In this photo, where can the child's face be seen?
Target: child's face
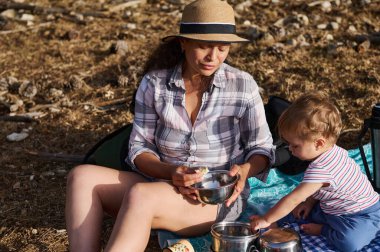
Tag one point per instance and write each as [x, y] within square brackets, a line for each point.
[303, 149]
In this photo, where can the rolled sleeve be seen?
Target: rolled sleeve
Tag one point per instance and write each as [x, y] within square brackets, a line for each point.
[144, 125]
[255, 131]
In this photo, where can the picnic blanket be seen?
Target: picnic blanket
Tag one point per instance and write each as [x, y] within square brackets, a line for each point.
[263, 196]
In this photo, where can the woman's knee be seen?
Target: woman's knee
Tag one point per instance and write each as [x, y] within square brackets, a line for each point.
[144, 196]
[80, 174]
[139, 194]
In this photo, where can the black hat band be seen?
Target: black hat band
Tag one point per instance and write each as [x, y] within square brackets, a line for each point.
[207, 28]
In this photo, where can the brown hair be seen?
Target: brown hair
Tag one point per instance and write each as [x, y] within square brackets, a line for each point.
[164, 56]
[309, 116]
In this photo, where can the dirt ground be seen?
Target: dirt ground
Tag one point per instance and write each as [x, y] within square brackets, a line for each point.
[72, 67]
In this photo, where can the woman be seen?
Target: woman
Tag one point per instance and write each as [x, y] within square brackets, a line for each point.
[202, 112]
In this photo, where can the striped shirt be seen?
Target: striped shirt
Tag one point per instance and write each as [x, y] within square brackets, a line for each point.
[229, 128]
[349, 190]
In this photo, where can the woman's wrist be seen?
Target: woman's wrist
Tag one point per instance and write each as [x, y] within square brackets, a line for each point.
[257, 164]
[153, 167]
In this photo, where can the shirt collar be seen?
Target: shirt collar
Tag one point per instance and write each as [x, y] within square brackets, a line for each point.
[219, 79]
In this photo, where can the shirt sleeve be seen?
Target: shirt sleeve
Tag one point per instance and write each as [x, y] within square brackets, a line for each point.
[144, 124]
[255, 132]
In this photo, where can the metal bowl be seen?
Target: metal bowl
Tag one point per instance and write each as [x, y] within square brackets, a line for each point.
[280, 240]
[229, 236]
[216, 187]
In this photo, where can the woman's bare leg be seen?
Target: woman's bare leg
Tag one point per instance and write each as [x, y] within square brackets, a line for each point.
[91, 191]
[159, 206]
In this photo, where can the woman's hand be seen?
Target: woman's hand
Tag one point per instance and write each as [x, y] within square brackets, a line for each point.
[255, 165]
[243, 171]
[183, 177]
[258, 222]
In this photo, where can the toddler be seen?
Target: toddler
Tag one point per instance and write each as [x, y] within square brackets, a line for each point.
[334, 199]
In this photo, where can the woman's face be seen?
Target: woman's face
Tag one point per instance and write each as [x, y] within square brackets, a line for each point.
[203, 58]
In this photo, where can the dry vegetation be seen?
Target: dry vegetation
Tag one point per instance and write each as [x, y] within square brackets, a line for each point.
[73, 65]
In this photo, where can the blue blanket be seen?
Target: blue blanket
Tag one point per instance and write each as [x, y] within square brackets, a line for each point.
[263, 196]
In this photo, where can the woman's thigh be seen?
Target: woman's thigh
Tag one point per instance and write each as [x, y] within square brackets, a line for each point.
[172, 211]
[106, 184]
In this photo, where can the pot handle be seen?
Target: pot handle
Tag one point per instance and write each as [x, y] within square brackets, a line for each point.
[253, 248]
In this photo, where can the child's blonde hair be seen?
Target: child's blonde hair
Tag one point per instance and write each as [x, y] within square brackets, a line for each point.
[311, 115]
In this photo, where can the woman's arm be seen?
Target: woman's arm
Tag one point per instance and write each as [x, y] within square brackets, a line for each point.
[256, 136]
[255, 165]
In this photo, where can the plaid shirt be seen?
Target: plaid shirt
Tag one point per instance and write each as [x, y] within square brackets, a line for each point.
[229, 128]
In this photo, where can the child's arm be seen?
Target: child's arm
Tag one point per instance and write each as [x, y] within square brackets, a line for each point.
[285, 205]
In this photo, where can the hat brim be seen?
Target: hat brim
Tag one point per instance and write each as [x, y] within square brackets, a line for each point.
[223, 38]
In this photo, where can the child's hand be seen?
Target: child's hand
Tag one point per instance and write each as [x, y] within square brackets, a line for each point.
[302, 210]
[258, 222]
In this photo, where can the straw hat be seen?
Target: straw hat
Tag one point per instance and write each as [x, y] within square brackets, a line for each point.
[208, 20]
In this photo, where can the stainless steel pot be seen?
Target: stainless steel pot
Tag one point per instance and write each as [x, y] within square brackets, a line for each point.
[233, 237]
[280, 240]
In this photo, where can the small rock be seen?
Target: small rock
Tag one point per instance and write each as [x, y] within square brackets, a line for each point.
[326, 6]
[121, 47]
[329, 37]
[16, 106]
[56, 93]
[247, 23]
[54, 110]
[34, 231]
[331, 50]
[363, 47]
[322, 26]
[27, 89]
[50, 17]
[334, 26]
[291, 42]
[16, 137]
[295, 26]
[303, 19]
[267, 39]
[12, 80]
[279, 23]
[75, 82]
[109, 94]
[27, 17]
[10, 13]
[73, 34]
[48, 173]
[66, 103]
[17, 185]
[243, 6]
[351, 29]
[122, 81]
[253, 33]
[131, 26]
[3, 84]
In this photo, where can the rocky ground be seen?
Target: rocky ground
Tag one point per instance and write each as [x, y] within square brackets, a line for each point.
[68, 70]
